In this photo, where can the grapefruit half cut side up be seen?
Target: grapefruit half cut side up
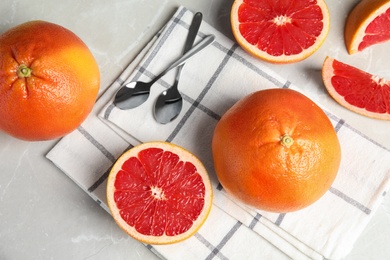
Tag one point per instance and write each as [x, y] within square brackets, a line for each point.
[356, 89]
[367, 24]
[159, 193]
[280, 31]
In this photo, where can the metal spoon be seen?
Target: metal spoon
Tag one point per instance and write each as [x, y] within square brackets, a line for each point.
[135, 93]
[169, 103]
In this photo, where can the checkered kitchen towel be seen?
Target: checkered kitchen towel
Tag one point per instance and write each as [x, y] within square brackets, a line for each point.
[211, 82]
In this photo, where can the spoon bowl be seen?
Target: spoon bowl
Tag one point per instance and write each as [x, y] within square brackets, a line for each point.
[133, 95]
[167, 110]
[169, 103]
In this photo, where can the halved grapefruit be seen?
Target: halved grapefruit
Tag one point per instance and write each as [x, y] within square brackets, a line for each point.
[367, 24]
[280, 31]
[356, 89]
[159, 193]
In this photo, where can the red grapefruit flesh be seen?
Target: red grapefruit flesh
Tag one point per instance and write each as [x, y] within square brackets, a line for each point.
[356, 89]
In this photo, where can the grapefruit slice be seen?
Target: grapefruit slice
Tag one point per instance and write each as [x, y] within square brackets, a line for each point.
[367, 24]
[357, 90]
[159, 193]
[280, 31]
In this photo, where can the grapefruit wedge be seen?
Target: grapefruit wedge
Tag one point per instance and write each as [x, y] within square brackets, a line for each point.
[280, 31]
[159, 193]
[367, 24]
[356, 89]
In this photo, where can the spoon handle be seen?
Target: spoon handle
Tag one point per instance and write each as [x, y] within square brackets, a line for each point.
[201, 45]
[193, 31]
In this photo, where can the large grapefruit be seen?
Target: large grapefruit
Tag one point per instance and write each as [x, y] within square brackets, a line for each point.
[49, 81]
[276, 150]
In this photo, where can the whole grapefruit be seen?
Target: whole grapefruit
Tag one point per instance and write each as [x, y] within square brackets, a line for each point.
[276, 150]
[49, 81]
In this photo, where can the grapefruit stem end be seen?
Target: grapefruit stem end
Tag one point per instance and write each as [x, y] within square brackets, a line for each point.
[23, 71]
[287, 140]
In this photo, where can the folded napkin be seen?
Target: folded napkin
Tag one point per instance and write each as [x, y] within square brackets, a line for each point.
[211, 82]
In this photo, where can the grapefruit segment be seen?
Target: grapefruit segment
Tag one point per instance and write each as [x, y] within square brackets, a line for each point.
[280, 31]
[356, 89]
[367, 24]
[159, 193]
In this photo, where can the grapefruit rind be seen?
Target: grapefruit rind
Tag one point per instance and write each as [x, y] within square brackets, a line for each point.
[359, 19]
[282, 59]
[327, 74]
[184, 156]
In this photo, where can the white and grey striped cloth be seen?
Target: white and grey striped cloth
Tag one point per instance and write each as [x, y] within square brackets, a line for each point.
[211, 82]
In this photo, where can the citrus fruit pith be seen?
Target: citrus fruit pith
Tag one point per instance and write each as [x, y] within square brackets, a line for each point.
[280, 31]
[49, 81]
[159, 193]
[357, 90]
[367, 24]
[276, 150]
